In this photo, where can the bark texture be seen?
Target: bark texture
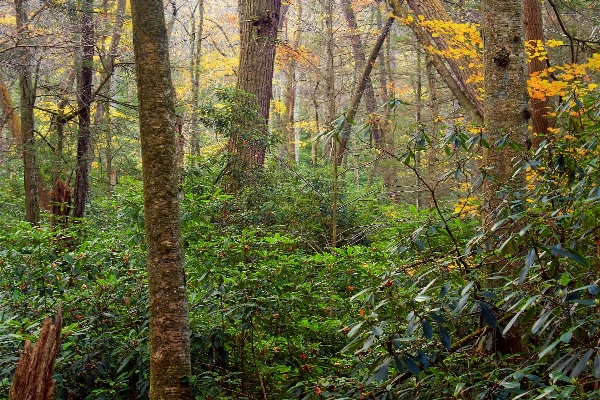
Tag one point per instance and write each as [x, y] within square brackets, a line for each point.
[259, 20]
[9, 112]
[506, 108]
[534, 31]
[84, 138]
[33, 377]
[290, 86]
[28, 95]
[170, 365]
[196, 62]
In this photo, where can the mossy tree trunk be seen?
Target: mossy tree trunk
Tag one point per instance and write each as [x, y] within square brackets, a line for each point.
[259, 20]
[506, 107]
[170, 365]
[27, 88]
[84, 138]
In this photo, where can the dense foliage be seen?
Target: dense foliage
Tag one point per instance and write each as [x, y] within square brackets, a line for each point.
[427, 305]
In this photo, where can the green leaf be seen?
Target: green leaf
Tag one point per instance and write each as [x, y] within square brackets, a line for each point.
[445, 290]
[413, 368]
[355, 329]
[423, 359]
[427, 329]
[488, 315]
[541, 320]
[597, 366]
[572, 254]
[566, 337]
[382, 373]
[529, 260]
[565, 279]
[581, 364]
[445, 337]
[125, 362]
[548, 349]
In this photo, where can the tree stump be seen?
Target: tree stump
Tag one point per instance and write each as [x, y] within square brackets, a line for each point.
[33, 377]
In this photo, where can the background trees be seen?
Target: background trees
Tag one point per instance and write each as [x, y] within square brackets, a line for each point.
[330, 275]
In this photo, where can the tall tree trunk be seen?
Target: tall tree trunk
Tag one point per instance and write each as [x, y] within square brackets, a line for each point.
[170, 365]
[419, 120]
[506, 109]
[534, 31]
[358, 92]
[28, 95]
[259, 20]
[433, 130]
[104, 110]
[82, 179]
[196, 64]
[330, 74]
[359, 62]
[290, 87]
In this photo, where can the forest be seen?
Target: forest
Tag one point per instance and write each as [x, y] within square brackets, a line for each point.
[299, 199]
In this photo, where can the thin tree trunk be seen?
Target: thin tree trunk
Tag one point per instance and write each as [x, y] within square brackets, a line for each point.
[82, 179]
[419, 119]
[433, 129]
[358, 92]
[330, 73]
[196, 67]
[170, 365]
[462, 68]
[359, 62]
[109, 70]
[290, 89]
[534, 31]
[28, 96]
[450, 81]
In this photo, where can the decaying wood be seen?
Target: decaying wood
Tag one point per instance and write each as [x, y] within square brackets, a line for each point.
[60, 201]
[33, 378]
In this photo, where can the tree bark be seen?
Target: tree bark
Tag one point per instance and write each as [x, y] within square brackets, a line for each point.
[259, 20]
[28, 96]
[506, 109]
[534, 31]
[419, 120]
[9, 112]
[433, 130]
[330, 75]
[196, 67]
[33, 377]
[82, 179]
[290, 88]
[170, 365]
